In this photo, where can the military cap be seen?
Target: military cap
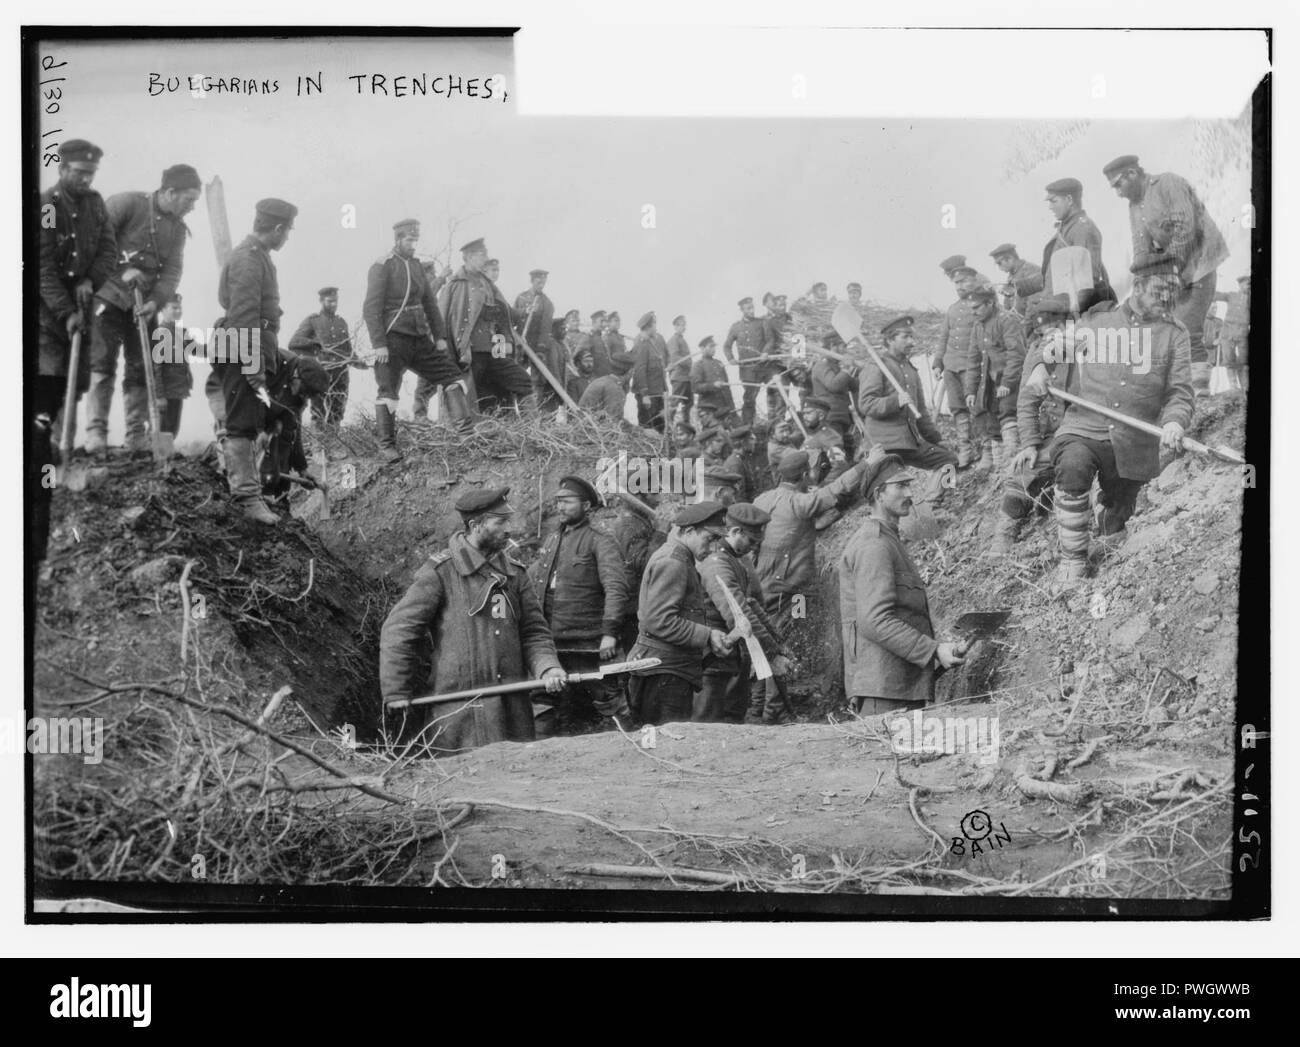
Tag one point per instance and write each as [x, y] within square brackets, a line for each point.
[490, 500]
[1065, 187]
[1119, 164]
[982, 293]
[577, 487]
[713, 432]
[312, 375]
[740, 432]
[1002, 249]
[539, 272]
[768, 297]
[707, 340]
[679, 319]
[817, 402]
[474, 245]
[890, 467]
[79, 151]
[646, 320]
[963, 269]
[1049, 308]
[743, 514]
[855, 286]
[722, 476]
[793, 465]
[599, 314]
[895, 325]
[573, 314]
[747, 300]
[181, 176]
[706, 408]
[273, 207]
[325, 291]
[952, 262]
[613, 314]
[819, 283]
[407, 225]
[1154, 263]
[709, 515]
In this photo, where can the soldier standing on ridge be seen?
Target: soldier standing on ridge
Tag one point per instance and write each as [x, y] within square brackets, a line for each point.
[1166, 215]
[754, 339]
[150, 233]
[325, 337]
[407, 333]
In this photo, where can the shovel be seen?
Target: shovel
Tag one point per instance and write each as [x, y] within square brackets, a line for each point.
[162, 443]
[978, 625]
[1222, 451]
[73, 478]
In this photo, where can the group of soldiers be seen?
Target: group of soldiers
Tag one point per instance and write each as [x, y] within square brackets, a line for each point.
[701, 608]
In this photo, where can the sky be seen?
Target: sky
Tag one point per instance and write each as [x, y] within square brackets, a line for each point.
[672, 214]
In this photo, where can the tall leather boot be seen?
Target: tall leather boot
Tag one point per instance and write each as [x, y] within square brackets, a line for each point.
[986, 454]
[245, 486]
[386, 432]
[135, 401]
[995, 449]
[965, 451]
[458, 416]
[99, 401]
[1072, 518]
[1010, 440]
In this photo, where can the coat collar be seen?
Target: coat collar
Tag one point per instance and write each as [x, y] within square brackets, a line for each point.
[469, 560]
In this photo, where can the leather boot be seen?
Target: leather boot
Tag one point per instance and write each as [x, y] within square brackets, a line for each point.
[99, 400]
[1010, 440]
[995, 448]
[458, 416]
[965, 452]
[1072, 518]
[245, 486]
[135, 402]
[385, 430]
[986, 456]
[1004, 536]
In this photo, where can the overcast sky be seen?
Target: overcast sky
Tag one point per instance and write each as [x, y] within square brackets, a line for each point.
[740, 205]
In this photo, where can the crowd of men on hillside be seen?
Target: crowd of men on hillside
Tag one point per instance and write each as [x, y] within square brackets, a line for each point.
[715, 602]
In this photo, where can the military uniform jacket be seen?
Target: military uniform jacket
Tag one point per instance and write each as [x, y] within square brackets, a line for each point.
[954, 352]
[581, 584]
[173, 379]
[1001, 341]
[741, 464]
[1078, 230]
[711, 385]
[1025, 279]
[787, 557]
[752, 336]
[679, 359]
[400, 298]
[649, 366]
[1170, 217]
[837, 387]
[327, 338]
[671, 615]
[484, 620]
[619, 352]
[78, 246]
[249, 292]
[462, 301]
[157, 240]
[723, 567]
[538, 332]
[1162, 395]
[889, 424]
[889, 644]
[1037, 417]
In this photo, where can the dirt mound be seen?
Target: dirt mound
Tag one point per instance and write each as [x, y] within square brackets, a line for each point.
[1111, 704]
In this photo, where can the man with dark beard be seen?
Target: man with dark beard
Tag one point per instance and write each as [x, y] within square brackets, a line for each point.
[487, 628]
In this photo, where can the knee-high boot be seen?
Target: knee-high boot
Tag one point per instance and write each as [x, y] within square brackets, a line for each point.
[965, 451]
[386, 433]
[1072, 520]
[245, 486]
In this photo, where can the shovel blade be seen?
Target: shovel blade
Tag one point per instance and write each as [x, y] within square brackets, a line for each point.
[979, 624]
[847, 322]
